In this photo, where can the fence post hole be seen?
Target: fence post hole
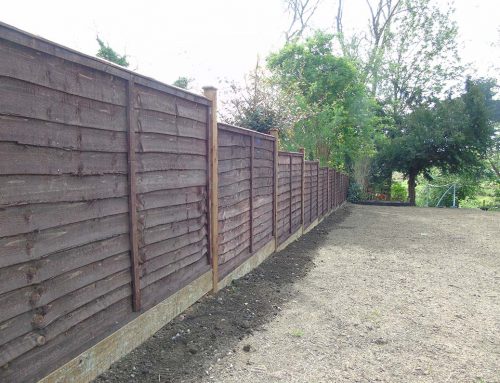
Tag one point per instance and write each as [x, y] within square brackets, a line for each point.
[274, 132]
[132, 198]
[211, 93]
[302, 177]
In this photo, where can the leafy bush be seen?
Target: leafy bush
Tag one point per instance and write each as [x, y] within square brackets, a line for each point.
[398, 192]
[355, 192]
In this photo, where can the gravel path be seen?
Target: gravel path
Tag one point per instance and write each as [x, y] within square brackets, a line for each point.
[397, 295]
[373, 294]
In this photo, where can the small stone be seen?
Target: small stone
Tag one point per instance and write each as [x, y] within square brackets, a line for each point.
[247, 348]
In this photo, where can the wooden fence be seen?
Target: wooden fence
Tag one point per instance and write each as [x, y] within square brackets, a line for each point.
[122, 202]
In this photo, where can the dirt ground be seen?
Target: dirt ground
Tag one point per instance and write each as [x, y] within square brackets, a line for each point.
[373, 294]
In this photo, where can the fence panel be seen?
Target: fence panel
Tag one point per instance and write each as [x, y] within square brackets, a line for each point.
[246, 176]
[172, 174]
[311, 191]
[289, 194]
[68, 178]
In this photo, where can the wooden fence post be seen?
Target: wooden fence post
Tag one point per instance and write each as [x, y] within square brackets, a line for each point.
[274, 132]
[317, 190]
[252, 154]
[291, 179]
[132, 198]
[302, 178]
[211, 93]
[327, 190]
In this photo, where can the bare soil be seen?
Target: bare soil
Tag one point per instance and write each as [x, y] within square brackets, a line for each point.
[373, 294]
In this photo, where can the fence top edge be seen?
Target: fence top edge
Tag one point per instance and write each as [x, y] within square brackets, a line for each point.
[28, 40]
[244, 131]
[295, 154]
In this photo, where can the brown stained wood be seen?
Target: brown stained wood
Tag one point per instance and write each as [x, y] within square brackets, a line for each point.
[150, 121]
[147, 162]
[43, 294]
[35, 217]
[243, 131]
[229, 178]
[36, 245]
[229, 235]
[36, 363]
[233, 189]
[230, 153]
[17, 190]
[213, 160]
[132, 197]
[40, 45]
[251, 197]
[161, 248]
[152, 99]
[164, 198]
[171, 230]
[170, 259]
[233, 164]
[169, 179]
[25, 131]
[240, 248]
[234, 210]
[234, 238]
[62, 75]
[233, 222]
[66, 310]
[233, 199]
[161, 143]
[17, 159]
[229, 139]
[31, 273]
[173, 282]
[173, 268]
[169, 214]
[19, 98]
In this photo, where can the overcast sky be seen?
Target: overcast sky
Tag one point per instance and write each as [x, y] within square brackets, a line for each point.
[216, 40]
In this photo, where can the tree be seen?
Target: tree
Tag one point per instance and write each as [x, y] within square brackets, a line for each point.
[334, 114]
[301, 11]
[408, 54]
[452, 135]
[182, 82]
[259, 104]
[108, 53]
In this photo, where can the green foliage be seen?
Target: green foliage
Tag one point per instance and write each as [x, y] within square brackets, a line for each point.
[450, 135]
[182, 82]
[259, 105]
[355, 192]
[398, 192]
[107, 53]
[335, 116]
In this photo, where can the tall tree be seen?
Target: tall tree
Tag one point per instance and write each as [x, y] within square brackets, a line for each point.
[108, 53]
[301, 11]
[451, 135]
[334, 114]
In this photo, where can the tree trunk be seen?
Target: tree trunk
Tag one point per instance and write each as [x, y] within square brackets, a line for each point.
[412, 176]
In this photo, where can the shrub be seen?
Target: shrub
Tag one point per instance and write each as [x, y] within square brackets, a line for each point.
[355, 192]
[398, 192]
